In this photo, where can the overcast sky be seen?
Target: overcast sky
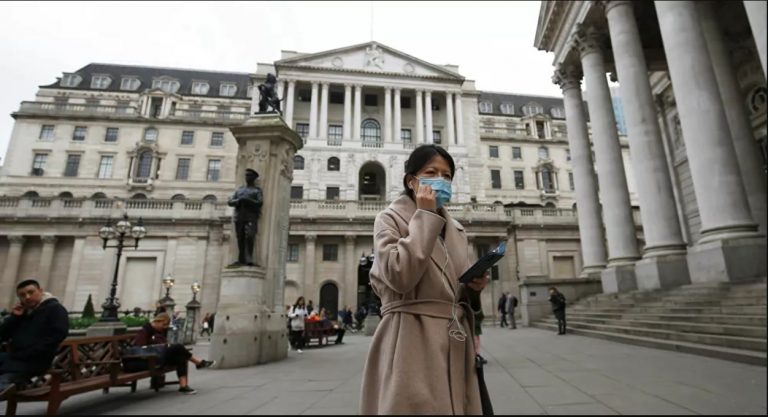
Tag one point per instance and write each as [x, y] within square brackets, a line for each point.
[492, 42]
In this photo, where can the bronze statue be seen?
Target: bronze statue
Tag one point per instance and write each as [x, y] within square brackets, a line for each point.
[268, 91]
[247, 201]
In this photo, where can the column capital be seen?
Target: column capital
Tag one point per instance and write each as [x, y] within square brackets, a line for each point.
[419, 90]
[291, 81]
[397, 89]
[310, 237]
[16, 239]
[588, 39]
[567, 77]
[348, 85]
[315, 83]
[448, 94]
[325, 84]
[50, 239]
[358, 86]
[428, 92]
[609, 5]
[350, 238]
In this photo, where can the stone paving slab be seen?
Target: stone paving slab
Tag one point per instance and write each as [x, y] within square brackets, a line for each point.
[530, 372]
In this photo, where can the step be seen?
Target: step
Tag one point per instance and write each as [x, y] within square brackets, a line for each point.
[706, 303]
[732, 310]
[746, 343]
[758, 332]
[736, 355]
[726, 319]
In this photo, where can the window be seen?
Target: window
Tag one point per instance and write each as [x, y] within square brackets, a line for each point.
[568, 154]
[532, 108]
[182, 169]
[304, 94]
[519, 180]
[507, 108]
[495, 178]
[46, 132]
[332, 193]
[335, 131]
[371, 100]
[436, 137]
[73, 164]
[150, 134]
[130, 83]
[111, 135]
[178, 197]
[540, 130]
[297, 192]
[169, 86]
[517, 153]
[548, 184]
[227, 89]
[217, 139]
[210, 198]
[558, 112]
[200, 88]
[214, 169]
[145, 165]
[486, 107]
[330, 252]
[493, 151]
[405, 136]
[298, 162]
[79, 133]
[100, 82]
[302, 129]
[405, 102]
[543, 152]
[187, 137]
[570, 181]
[38, 164]
[336, 97]
[105, 166]
[371, 131]
[71, 80]
[293, 252]
[333, 164]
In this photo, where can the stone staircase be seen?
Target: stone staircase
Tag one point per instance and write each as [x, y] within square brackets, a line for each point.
[721, 320]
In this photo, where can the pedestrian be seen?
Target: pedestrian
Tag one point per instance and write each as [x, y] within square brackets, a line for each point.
[297, 315]
[35, 327]
[206, 326]
[210, 321]
[511, 306]
[310, 308]
[348, 320]
[159, 308]
[422, 356]
[502, 309]
[360, 316]
[557, 299]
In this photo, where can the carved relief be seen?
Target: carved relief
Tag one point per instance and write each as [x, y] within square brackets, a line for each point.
[409, 68]
[286, 162]
[337, 62]
[374, 57]
[677, 135]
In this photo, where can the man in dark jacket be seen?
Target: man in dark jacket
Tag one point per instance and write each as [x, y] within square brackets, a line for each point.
[558, 307]
[502, 309]
[34, 329]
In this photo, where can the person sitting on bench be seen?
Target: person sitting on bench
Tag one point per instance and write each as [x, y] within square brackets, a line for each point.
[155, 333]
[35, 328]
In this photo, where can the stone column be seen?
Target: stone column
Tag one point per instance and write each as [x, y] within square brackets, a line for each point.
[358, 112]
[281, 89]
[459, 121]
[450, 138]
[756, 12]
[73, 274]
[419, 118]
[309, 266]
[396, 136]
[428, 117]
[46, 261]
[744, 143]
[350, 273]
[729, 248]
[347, 131]
[313, 112]
[664, 255]
[387, 128]
[11, 269]
[289, 101]
[619, 276]
[323, 131]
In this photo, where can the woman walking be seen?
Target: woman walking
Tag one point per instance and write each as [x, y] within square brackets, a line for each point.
[297, 315]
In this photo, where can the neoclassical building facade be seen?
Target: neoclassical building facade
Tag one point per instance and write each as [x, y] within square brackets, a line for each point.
[698, 152]
[155, 143]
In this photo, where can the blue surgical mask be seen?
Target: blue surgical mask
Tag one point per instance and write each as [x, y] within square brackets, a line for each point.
[442, 188]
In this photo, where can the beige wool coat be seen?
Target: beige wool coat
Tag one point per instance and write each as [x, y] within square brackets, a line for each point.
[414, 366]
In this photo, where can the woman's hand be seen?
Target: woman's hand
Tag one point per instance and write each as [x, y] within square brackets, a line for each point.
[425, 196]
[479, 283]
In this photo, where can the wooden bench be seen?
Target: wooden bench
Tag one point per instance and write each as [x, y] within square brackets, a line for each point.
[84, 364]
[317, 330]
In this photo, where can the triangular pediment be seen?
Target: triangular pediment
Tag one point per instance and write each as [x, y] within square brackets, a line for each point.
[371, 57]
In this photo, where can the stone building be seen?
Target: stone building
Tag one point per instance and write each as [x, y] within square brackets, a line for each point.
[155, 143]
[698, 153]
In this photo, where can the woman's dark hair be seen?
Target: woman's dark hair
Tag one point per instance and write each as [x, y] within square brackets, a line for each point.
[420, 157]
[299, 299]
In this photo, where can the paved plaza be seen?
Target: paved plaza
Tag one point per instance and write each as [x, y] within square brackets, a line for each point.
[530, 371]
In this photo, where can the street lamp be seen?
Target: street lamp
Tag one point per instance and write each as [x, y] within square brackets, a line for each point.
[118, 232]
[190, 323]
[195, 290]
[168, 282]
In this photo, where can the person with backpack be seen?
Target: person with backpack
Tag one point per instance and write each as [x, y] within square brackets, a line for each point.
[502, 309]
[297, 315]
[511, 306]
[557, 299]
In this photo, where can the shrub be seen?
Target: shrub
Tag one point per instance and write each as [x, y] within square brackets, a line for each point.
[88, 311]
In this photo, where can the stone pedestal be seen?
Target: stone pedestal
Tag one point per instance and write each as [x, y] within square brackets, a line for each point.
[662, 272]
[370, 323]
[619, 278]
[730, 260]
[106, 328]
[250, 324]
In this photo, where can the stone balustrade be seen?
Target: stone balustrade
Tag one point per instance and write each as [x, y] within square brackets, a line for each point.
[48, 108]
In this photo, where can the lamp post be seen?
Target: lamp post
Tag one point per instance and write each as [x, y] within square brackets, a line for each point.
[193, 307]
[120, 232]
[167, 301]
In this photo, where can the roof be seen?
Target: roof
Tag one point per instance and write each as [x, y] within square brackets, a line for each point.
[147, 74]
[519, 100]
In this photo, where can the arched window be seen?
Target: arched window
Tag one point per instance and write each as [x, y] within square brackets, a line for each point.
[145, 165]
[31, 194]
[550, 205]
[371, 131]
[178, 197]
[298, 162]
[139, 196]
[65, 194]
[99, 195]
[486, 107]
[507, 108]
[543, 152]
[210, 198]
[333, 164]
[532, 108]
[150, 134]
[558, 112]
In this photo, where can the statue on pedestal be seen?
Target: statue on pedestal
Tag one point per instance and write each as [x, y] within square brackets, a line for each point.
[268, 91]
[247, 201]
